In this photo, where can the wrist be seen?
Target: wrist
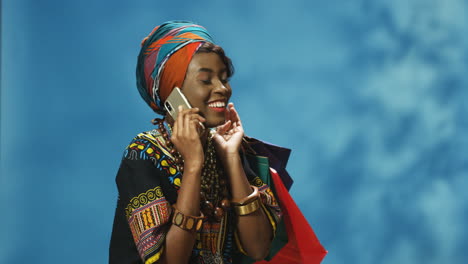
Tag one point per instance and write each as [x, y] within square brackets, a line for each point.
[249, 204]
[230, 159]
[193, 166]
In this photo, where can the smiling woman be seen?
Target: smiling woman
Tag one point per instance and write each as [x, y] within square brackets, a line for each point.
[185, 194]
[206, 86]
[192, 190]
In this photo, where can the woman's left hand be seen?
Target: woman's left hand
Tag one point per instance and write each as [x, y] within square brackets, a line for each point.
[228, 137]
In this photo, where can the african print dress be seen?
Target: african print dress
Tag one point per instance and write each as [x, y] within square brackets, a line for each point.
[148, 183]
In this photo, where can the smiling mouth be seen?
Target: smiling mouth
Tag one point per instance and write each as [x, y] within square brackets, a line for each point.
[218, 106]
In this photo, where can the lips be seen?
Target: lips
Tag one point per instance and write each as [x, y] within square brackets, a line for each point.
[217, 105]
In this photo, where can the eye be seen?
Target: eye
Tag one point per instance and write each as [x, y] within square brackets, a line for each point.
[224, 81]
[206, 82]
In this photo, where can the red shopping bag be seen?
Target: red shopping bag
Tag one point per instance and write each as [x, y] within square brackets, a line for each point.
[303, 246]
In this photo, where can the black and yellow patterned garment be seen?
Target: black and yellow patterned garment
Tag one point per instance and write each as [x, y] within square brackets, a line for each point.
[148, 183]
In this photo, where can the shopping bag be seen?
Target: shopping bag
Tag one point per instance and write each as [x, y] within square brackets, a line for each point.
[295, 241]
[303, 246]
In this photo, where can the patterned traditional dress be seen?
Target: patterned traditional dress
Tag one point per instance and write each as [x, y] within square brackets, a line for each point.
[148, 183]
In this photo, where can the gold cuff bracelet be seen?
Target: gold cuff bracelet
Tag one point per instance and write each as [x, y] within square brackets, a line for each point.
[248, 204]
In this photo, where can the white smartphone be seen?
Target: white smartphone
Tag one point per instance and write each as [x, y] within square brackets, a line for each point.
[174, 100]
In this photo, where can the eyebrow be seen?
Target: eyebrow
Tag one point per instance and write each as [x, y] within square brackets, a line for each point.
[211, 70]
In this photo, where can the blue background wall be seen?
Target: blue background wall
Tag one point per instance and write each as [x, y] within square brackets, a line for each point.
[370, 95]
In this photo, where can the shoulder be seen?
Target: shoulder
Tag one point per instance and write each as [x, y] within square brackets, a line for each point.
[146, 145]
[150, 146]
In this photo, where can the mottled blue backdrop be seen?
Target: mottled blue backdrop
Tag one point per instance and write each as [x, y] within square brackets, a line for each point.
[371, 96]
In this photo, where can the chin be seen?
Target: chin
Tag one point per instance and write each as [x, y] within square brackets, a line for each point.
[215, 122]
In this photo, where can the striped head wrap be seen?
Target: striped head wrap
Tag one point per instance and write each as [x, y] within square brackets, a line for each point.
[164, 58]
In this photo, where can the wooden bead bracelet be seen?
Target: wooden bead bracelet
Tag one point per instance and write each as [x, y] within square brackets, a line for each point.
[187, 222]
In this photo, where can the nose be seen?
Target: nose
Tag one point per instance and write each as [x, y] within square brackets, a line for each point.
[222, 88]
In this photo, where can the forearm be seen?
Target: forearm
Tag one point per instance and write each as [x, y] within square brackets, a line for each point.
[179, 243]
[255, 232]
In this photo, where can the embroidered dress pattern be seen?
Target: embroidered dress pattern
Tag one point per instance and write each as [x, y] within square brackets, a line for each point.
[147, 212]
[269, 199]
[150, 146]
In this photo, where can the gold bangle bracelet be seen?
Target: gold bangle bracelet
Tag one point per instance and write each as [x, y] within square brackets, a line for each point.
[249, 204]
[187, 222]
[248, 208]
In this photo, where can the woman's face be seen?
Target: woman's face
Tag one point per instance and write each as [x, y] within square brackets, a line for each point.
[206, 86]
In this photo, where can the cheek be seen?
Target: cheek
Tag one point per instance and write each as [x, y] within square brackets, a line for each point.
[196, 95]
[200, 95]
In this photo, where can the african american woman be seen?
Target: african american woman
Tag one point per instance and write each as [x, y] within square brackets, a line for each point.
[186, 193]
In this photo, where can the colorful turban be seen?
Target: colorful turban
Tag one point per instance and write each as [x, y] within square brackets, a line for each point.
[164, 58]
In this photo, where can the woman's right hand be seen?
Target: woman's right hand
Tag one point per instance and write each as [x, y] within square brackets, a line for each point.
[186, 137]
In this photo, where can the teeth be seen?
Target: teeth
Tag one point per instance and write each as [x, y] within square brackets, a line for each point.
[217, 104]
